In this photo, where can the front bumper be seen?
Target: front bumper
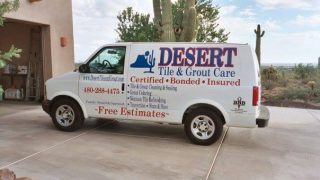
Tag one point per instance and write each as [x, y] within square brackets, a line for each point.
[263, 119]
[46, 106]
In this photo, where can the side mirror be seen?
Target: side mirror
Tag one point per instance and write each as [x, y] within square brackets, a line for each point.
[84, 68]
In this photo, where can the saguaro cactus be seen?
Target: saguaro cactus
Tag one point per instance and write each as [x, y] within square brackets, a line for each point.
[157, 14]
[189, 22]
[186, 31]
[167, 21]
[259, 35]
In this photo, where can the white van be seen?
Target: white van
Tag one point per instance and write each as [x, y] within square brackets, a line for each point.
[201, 85]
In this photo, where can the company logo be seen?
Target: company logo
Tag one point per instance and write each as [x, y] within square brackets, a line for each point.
[145, 60]
[239, 102]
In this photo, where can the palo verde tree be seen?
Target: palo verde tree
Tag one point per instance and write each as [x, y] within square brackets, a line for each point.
[5, 7]
[183, 20]
[208, 17]
[136, 27]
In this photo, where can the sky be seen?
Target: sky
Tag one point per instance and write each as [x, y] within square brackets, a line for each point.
[292, 26]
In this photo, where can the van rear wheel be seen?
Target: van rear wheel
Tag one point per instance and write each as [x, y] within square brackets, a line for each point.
[67, 115]
[203, 126]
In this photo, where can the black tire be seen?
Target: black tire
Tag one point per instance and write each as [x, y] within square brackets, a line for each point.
[189, 125]
[78, 118]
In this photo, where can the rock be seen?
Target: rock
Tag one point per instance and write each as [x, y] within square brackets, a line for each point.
[6, 174]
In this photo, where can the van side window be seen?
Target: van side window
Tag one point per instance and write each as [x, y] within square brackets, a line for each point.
[109, 60]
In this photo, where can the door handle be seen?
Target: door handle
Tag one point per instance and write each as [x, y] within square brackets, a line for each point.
[122, 86]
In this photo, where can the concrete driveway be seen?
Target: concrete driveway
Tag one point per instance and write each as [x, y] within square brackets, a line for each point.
[29, 144]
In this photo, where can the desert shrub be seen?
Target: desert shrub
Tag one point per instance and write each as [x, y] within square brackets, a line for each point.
[311, 85]
[316, 99]
[316, 95]
[268, 84]
[304, 71]
[317, 85]
[284, 76]
[294, 94]
[270, 73]
[283, 82]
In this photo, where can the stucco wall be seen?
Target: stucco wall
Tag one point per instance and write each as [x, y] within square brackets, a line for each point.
[57, 16]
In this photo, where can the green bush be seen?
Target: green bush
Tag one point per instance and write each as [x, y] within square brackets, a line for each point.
[304, 71]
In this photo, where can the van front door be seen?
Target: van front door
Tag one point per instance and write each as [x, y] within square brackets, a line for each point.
[102, 89]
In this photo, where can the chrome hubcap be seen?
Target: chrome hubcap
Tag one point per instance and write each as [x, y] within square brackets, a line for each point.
[65, 115]
[202, 127]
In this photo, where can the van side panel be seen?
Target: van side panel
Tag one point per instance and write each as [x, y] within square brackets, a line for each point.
[166, 78]
[65, 85]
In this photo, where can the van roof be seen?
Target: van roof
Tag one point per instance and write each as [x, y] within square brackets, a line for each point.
[125, 43]
[130, 43]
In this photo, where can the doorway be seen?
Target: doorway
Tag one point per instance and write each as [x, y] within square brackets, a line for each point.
[23, 78]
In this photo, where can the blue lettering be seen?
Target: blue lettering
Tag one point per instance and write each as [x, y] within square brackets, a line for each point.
[177, 56]
[199, 57]
[229, 55]
[166, 62]
[216, 55]
[190, 57]
[225, 74]
[202, 60]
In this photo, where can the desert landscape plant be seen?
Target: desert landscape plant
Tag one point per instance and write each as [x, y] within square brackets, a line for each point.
[5, 7]
[136, 27]
[259, 35]
[183, 20]
[270, 73]
[300, 93]
[269, 77]
[304, 71]
[296, 85]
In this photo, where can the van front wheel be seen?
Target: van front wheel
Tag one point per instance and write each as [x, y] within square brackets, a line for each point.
[203, 126]
[67, 115]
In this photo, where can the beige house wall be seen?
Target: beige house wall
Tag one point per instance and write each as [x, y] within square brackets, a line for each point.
[56, 18]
